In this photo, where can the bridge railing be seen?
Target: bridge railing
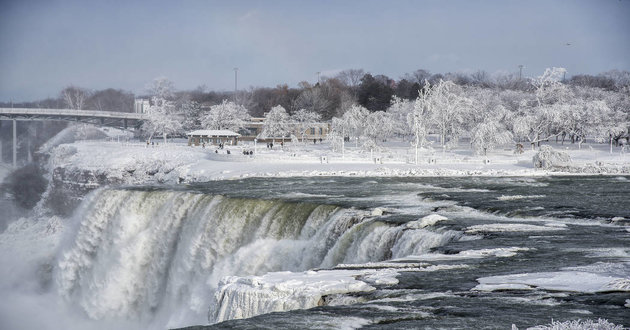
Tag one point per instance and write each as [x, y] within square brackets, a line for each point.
[70, 112]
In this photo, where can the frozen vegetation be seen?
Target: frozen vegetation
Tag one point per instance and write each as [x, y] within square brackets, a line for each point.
[579, 325]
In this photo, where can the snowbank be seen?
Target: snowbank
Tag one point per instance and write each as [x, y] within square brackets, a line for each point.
[175, 163]
[548, 158]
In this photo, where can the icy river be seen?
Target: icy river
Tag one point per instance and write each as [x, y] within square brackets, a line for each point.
[343, 252]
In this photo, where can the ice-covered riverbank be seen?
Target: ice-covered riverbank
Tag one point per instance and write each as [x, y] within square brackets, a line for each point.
[176, 163]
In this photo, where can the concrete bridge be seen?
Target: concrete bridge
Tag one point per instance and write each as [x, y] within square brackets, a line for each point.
[122, 120]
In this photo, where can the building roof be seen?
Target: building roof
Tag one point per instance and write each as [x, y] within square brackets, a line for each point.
[212, 133]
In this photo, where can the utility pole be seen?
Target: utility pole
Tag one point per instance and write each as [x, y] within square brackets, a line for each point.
[14, 143]
[235, 84]
[520, 71]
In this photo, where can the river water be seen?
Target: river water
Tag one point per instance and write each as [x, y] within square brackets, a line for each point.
[469, 252]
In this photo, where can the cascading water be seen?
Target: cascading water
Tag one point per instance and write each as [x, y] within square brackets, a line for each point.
[325, 252]
[157, 256]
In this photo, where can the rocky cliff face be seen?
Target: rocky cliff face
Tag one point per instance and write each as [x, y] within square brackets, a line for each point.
[68, 186]
[72, 176]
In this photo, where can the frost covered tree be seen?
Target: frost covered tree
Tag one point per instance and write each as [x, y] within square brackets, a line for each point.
[162, 115]
[227, 115]
[418, 119]
[489, 134]
[547, 158]
[163, 118]
[354, 121]
[161, 88]
[277, 123]
[399, 110]
[378, 126]
[534, 126]
[549, 88]
[605, 124]
[543, 118]
[303, 119]
[337, 135]
[447, 110]
[191, 111]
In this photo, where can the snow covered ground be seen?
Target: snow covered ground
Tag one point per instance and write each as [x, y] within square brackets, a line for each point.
[176, 162]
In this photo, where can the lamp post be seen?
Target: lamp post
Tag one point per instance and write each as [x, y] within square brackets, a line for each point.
[235, 84]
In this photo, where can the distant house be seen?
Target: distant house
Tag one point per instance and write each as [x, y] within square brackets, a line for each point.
[215, 137]
[253, 129]
[141, 106]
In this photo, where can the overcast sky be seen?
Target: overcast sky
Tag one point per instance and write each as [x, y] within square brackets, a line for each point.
[47, 45]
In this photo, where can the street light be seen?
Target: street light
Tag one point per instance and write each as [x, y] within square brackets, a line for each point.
[235, 84]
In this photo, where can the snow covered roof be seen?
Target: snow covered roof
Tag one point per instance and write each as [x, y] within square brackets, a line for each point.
[212, 132]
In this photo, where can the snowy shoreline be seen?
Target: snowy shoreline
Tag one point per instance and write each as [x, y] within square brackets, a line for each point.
[177, 163]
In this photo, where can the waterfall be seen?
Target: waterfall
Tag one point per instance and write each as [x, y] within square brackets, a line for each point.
[160, 254]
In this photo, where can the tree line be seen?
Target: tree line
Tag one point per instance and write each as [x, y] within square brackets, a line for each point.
[489, 110]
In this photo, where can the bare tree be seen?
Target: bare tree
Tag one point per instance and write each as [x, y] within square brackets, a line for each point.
[312, 99]
[418, 76]
[161, 88]
[351, 77]
[75, 97]
[111, 100]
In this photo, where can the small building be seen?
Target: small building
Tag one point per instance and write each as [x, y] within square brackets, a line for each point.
[214, 137]
[312, 131]
[141, 106]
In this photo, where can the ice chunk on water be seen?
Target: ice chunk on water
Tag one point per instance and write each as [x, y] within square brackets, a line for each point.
[426, 221]
[243, 297]
[568, 280]
[510, 227]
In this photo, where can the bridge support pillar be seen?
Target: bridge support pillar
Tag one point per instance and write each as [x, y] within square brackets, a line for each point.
[14, 143]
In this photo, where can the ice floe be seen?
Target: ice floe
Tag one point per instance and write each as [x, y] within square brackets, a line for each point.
[512, 227]
[429, 220]
[517, 197]
[600, 277]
